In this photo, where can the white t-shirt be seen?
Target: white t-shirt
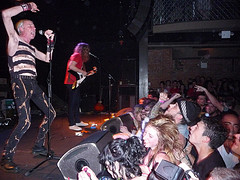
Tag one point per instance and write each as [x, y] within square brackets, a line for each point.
[230, 159]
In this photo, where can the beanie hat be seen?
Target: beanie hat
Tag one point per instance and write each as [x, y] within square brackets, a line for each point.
[190, 112]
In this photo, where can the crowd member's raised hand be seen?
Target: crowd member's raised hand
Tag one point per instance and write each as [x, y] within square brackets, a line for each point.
[200, 88]
[163, 97]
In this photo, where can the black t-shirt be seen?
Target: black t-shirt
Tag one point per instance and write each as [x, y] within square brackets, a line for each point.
[205, 166]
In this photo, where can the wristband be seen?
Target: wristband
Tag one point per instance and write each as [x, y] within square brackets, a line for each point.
[26, 7]
[50, 45]
[161, 101]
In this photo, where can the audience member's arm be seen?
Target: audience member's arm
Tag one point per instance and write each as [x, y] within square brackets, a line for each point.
[212, 98]
[163, 97]
[124, 130]
[168, 102]
[121, 135]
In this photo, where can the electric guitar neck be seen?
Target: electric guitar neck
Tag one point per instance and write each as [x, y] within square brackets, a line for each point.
[80, 77]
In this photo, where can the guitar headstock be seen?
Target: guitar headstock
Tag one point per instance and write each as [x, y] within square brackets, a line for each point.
[93, 71]
[94, 68]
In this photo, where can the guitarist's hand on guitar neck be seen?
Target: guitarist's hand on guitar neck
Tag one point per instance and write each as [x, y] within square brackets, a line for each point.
[93, 71]
[81, 77]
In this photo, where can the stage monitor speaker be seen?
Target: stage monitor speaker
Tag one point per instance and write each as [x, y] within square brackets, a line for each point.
[84, 154]
[141, 18]
[113, 125]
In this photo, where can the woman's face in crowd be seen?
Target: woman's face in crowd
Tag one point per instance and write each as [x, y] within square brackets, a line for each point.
[150, 137]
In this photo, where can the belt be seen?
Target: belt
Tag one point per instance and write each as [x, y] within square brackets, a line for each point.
[24, 77]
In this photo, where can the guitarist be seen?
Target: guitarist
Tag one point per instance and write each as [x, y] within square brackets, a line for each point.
[75, 65]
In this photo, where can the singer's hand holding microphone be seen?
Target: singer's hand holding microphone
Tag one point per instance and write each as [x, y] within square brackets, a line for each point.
[48, 33]
[50, 38]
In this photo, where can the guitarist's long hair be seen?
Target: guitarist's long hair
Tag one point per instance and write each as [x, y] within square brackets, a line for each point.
[82, 48]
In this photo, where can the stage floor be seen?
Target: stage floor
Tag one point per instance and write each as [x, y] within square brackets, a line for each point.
[62, 139]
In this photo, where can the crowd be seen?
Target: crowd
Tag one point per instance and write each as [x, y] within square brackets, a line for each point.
[196, 129]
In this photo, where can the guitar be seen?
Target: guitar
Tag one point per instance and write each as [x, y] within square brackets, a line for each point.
[80, 77]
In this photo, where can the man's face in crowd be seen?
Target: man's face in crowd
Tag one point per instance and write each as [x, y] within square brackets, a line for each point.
[211, 109]
[196, 133]
[232, 124]
[201, 100]
[175, 112]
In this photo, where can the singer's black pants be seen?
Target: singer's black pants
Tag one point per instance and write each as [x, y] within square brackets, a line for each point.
[24, 90]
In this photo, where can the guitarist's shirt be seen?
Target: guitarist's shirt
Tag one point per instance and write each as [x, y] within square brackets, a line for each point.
[69, 77]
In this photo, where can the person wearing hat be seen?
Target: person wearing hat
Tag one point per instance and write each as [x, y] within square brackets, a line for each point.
[185, 113]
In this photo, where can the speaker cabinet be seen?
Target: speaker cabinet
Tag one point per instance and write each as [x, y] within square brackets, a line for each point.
[128, 71]
[141, 18]
[84, 154]
[127, 96]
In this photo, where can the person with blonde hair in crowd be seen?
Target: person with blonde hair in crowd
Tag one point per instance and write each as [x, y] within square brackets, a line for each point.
[161, 138]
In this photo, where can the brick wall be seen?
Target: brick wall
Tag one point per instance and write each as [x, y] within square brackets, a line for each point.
[162, 65]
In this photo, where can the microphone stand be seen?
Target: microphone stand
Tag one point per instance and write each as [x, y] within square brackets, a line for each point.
[50, 153]
[110, 77]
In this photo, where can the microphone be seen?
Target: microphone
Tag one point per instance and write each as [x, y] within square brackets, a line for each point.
[93, 55]
[41, 32]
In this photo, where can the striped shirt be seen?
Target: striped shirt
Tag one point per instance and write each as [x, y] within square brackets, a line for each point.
[23, 61]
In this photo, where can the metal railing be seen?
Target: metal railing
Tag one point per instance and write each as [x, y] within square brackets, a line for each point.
[173, 11]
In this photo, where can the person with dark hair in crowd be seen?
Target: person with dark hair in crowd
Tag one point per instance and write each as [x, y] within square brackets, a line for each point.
[122, 159]
[153, 95]
[175, 88]
[206, 136]
[22, 68]
[201, 100]
[185, 113]
[213, 100]
[231, 122]
[220, 173]
[162, 87]
[76, 66]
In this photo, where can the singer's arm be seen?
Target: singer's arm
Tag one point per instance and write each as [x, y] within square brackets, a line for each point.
[46, 57]
[7, 15]
[43, 57]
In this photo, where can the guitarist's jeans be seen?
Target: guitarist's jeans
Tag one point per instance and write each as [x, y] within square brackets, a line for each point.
[73, 105]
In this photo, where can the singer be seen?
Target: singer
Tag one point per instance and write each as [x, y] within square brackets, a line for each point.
[22, 69]
[76, 65]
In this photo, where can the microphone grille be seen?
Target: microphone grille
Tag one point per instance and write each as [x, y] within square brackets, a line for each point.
[41, 32]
